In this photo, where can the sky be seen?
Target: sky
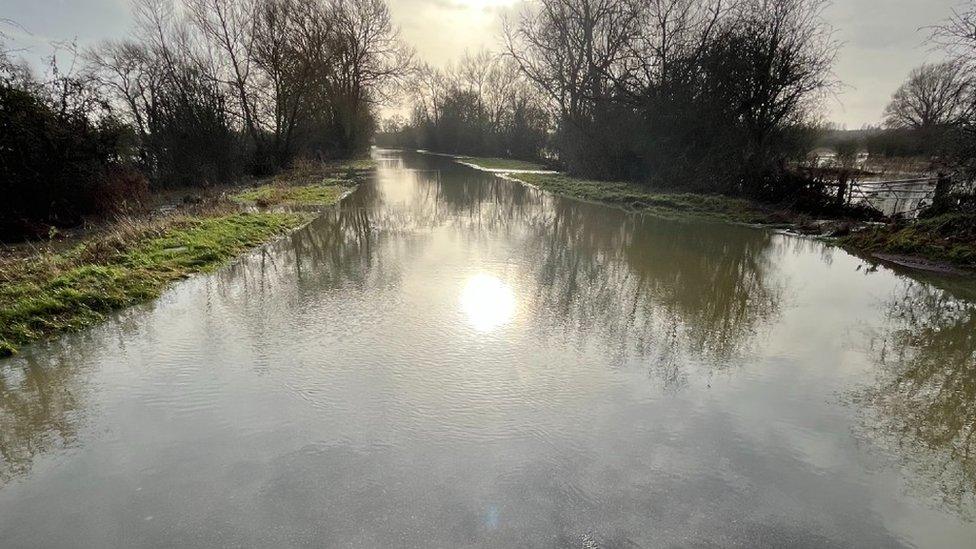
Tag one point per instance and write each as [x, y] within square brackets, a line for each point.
[882, 40]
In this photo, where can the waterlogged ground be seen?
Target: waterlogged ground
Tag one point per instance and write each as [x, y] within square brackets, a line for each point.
[455, 360]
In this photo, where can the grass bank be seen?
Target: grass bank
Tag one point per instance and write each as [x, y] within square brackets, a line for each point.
[949, 239]
[51, 292]
[630, 196]
[309, 184]
[326, 193]
[943, 244]
[634, 197]
[501, 163]
[53, 288]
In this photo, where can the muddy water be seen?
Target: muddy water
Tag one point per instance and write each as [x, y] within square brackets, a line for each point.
[454, 360]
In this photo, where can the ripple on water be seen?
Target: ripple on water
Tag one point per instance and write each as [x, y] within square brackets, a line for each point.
[452, 360]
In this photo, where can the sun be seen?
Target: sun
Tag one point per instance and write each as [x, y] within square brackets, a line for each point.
[488, 302]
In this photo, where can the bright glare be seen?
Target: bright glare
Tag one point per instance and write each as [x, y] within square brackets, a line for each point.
[481, 4]
[488, 302]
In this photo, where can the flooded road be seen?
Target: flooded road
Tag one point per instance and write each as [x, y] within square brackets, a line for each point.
[455, 360]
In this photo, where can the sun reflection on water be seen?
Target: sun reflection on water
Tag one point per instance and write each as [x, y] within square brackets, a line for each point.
[488, 302]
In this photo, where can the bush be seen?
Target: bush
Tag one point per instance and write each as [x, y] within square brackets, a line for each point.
[56, 167]
[120, 190]
[189, 140]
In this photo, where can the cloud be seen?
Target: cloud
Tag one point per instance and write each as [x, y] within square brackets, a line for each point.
[882, 41]
[441, 30]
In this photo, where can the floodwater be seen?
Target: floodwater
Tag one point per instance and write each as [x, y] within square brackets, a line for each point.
[906, 198]
[455, 360]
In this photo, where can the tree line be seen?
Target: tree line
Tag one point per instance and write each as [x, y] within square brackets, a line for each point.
[922, 120]
[201, 92]
[482, 105]
[702, 95]
[710, 95]
[705, 95]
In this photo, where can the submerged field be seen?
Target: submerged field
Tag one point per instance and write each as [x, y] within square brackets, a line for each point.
[945, 244]
[628, 195]
[939, 243]
[942, 243]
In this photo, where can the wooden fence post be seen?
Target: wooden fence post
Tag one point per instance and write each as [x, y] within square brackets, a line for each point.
[842, 188]
[941, 201]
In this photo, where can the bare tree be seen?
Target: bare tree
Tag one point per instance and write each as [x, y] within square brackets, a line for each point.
[12, 71]
[571, 49]
[957, 35]
[293, 46]
[126, 73]
[294, 76]
[665, 56]
[934, 95]
[427, 86]
[782, 53]
[228, 27]
[482, 104]
[373, 57]
[370, 60]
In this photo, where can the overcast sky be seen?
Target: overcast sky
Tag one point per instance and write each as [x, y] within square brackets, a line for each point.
[882, 41]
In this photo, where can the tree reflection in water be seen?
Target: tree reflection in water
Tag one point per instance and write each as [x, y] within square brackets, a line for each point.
[45, 393]
[649, 289]
[644, 289]
[682, 300]
[923, 405]
[669, 292]
[39, 406]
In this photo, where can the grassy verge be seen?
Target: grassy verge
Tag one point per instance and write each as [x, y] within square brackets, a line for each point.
[311, 172]
[61, 288]
[949, 238]
[501, 163]
[326, 193]
[637, 198]
[942, 244]
[52, 292]
[309, 184]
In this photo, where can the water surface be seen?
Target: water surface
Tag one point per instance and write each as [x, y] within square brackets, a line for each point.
[455, 360]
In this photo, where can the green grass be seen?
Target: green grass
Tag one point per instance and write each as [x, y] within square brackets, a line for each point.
[310, 172]
[310, 183]
[634, 197]
[326, 193]
[354, 165]
[50, 293]
[501, 163]
[949, 238]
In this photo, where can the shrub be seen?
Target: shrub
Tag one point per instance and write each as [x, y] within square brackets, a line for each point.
[57, 166]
